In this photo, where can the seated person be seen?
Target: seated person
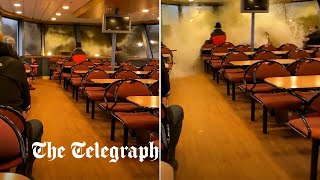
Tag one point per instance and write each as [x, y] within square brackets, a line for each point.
[218, 36]
[313, 38]
[16, 94]
[172, 117]
[121, 56]
[78, 55]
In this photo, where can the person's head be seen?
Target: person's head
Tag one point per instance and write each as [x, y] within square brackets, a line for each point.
[9, 40]
[217, 26]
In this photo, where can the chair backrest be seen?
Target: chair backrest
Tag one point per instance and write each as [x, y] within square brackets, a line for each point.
[88, 64]
[79, 67]
[219, 49]
[131, 87]
[287, 47]
[242, 48]
[97, 74]
[268, 68]
[148, 67]
[314, 102]
[125, 74]
[154, 62]
[206, 45]
[233, 56]
[68, 63]
[297, 54]
[152, 75]
[268, 47]
[103, 67]
[308, 67]
[16, 117]
[14, 152]
[129, 67]
[154, 88]
[316, 53]
[264, 55]
[227, 45]
[95, 61]
[109, 94]
[107, 63]
[292, 68]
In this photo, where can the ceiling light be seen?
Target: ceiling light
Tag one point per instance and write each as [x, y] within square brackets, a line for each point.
[53, 19]
[145, 10]
[97, 55]
[19, 12]
[65, 7]
[49, 53]
[17, 5]
[140, 44]
[190, 0]
[58, 14]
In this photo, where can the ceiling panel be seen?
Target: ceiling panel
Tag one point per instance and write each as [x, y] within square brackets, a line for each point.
[82, 11]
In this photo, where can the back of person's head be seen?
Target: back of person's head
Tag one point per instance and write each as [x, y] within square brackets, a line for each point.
[218, 25]
[9, 40]
[6, 50]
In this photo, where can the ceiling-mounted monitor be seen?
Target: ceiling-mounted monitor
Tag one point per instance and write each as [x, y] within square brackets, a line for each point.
[254, 6]
[116, 24]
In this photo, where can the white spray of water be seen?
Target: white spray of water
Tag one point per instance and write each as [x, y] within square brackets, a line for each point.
[197, 23]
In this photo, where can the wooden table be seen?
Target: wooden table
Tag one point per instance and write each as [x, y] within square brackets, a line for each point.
[295, 82]
[166, 171]
[111, 72]
[251, 53]
[313, 46]
[166, 55]
[250, 62]
[149, 102]
[109, 81]
[12, 176]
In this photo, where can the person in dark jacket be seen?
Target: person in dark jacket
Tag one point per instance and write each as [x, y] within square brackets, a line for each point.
[175, 114]
[15, 93]
[78, 55]
[313, 38]
[218, 36]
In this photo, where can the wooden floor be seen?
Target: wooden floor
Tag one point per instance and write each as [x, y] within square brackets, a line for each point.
[219, 141]
[65, 121]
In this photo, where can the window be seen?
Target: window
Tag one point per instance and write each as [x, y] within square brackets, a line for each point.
[10, 28]
[32, 39]
[59, 39]
[153, 35]
[132, 43]
[93, 41]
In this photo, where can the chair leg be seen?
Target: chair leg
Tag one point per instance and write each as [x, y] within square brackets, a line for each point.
[205, 66]
[214, 74]
[73, 91]
[233, 91]
[67, 84]
[77, 93]
[314, 159]
[59, 78]
[265, 120]
[87, 105]
[92, 109]
[253, 108]
[217, 77]
[228, 87]
[125, 136]
[113, 128]
[50, 74]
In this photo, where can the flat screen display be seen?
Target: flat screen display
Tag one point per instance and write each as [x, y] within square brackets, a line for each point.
[116, 24]
[255, 6]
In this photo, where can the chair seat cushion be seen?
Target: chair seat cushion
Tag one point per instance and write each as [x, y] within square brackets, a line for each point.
[258, 88]
[305, 95]
[95, 95]
[313, 122]
[234, 77]
[237, 70]
[120, 106]
[93, 88]
[10, 164]
[76, 82]
[215, 65]
[282, 100]
[138, 120]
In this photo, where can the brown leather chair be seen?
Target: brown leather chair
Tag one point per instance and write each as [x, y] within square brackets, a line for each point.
[308, 67]
[129, 67]
[154, 88]
[95, 61]
[103, 67]
[152, 75]
[148, 67]
[264, 55]
[309, 127]
[287, 47]
[242, 48]
[215, 61]
[268, 47]
[316, 53]
[228, 45]
[65, 70]
[297, 54]
[125, 74]
[14, 153]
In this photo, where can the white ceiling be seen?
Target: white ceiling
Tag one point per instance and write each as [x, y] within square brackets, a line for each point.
[44, 10]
